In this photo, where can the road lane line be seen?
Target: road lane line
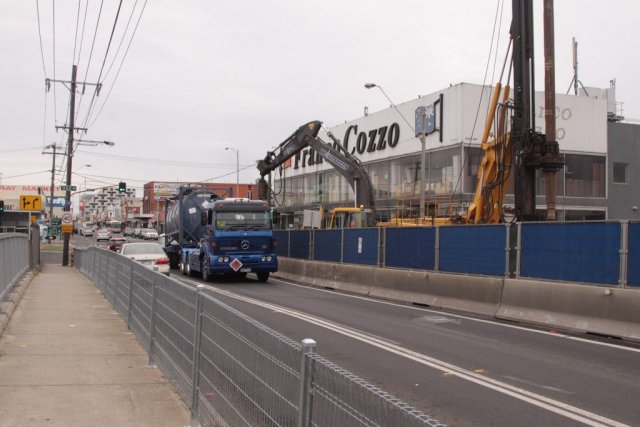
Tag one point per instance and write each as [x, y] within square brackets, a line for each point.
[554, 406]
[460, 316]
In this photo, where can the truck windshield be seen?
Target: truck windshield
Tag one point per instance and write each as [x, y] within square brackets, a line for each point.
[243, 220]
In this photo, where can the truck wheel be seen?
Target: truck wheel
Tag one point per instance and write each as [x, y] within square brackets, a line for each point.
[174, 260]
[263, 276]
[188, 270]
[205, 273]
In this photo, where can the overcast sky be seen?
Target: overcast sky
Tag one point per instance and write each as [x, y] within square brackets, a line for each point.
[202, 75]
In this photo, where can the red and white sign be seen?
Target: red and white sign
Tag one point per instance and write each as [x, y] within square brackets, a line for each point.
[235, 264]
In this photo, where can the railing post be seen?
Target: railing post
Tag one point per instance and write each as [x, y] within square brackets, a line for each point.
[518, 251]
[382, 239]
[507, 249]
[436, 261]
[130, 296]
[306, 383]
[624, 253]
[197, 344]
[152, 327]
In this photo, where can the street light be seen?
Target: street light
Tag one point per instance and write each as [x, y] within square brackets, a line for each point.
[94, 143]
[237, 169]
[422, 150]
[372, 85]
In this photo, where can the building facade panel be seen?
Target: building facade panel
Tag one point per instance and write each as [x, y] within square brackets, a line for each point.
[386, 144]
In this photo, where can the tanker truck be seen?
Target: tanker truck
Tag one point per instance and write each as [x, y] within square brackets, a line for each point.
[212, 236]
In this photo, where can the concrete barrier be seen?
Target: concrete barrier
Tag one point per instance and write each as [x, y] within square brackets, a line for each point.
[343, 277]
[602, 310]
[575, 307]
[473, 294]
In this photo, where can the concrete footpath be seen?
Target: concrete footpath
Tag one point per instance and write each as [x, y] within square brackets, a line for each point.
[68, 359]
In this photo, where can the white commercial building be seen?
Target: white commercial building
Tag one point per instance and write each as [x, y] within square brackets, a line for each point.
[387, 145]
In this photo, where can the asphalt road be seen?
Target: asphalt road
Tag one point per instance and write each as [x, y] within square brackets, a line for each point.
[461, 370]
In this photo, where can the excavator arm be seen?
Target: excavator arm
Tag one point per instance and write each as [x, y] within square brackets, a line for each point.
[345, 163]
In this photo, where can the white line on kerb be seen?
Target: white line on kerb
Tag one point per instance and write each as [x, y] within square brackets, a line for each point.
[557, 407]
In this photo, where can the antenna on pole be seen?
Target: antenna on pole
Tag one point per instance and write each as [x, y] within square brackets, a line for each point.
[575, 66]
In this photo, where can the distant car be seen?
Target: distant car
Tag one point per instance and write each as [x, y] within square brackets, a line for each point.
[128, 231]
[149, 234]
[103, 235]
[151, 255]
[86, 232]
[115, 243]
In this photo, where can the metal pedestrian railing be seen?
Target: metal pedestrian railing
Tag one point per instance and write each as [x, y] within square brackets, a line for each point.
[14, 260]
[230, 369]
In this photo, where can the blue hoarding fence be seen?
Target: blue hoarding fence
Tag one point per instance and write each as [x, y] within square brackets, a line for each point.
[605, 253]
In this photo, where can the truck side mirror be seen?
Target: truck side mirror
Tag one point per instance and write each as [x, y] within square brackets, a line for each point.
[203, 217]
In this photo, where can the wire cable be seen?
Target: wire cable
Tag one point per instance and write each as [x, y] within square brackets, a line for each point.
[75, 38]
[55, 98]
[44, 69]
[93, 43]
[156, 161]
[48, 171]
[120, 67]
[104, 61]
[475, 121]
[84, 23]
[124, 36]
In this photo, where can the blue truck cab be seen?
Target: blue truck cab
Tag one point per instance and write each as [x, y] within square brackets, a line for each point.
[236, 238]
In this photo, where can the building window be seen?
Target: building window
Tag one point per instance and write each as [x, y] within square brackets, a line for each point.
[585, 175]
[620, 175]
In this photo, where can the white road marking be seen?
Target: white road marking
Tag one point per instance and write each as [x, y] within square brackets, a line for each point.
[554, 406]
[473, 319]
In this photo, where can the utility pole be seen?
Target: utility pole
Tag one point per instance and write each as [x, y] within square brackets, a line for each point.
[70, 129]
[67, 196]
[53, 175]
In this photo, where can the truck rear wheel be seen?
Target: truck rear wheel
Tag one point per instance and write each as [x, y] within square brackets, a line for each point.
[174, 260]
[206, 276]
[263, 276]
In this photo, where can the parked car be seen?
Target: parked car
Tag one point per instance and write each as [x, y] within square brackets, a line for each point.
[128, 231]
[86, 232]
[151, 255]
[103, 235]
[115, 243]
[149, 234]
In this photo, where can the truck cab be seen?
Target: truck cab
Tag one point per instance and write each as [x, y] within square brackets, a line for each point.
[237, 239]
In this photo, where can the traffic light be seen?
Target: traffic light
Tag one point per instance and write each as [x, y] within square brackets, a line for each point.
[1, 205]
[122, 187]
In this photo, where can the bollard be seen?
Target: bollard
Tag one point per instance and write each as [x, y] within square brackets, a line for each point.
[306, 383]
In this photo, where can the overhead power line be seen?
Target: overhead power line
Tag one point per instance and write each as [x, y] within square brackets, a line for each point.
[104, 61]
[164, 162]
[121, 64]
[44, 68]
